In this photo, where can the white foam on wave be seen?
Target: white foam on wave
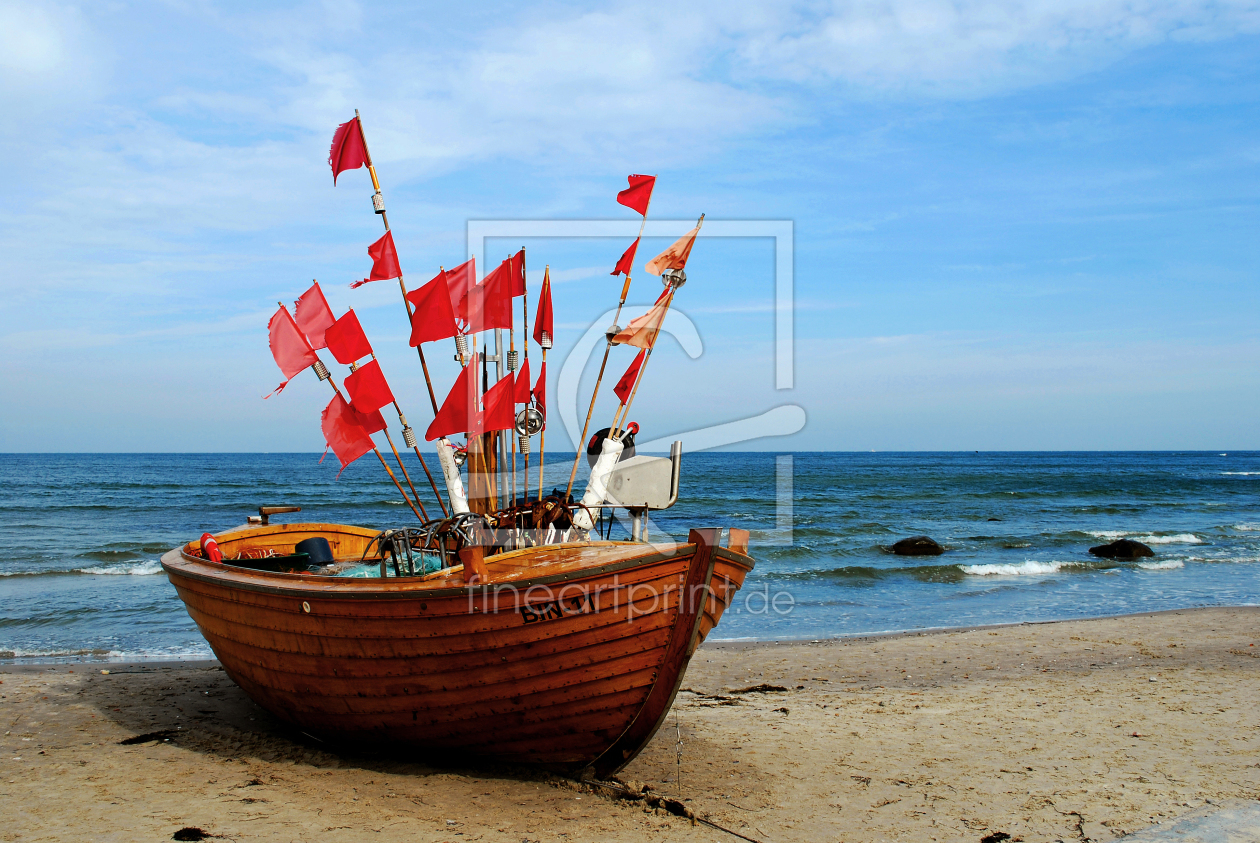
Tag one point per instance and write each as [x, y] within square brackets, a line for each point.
[1247, 528]
[1106, 534]
[1179, 538]
[134, 569]
[1027, 568]
[1166, 565]
[1242, 473]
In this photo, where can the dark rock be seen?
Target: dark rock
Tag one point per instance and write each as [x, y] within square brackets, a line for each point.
[1122, 549]
[917, 546]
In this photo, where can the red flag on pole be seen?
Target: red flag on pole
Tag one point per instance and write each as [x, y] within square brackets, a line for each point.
[288, 346]
[349, 150]
[459, 281]
[516, 272]
[368, 389]
[639, 194]
[313, 315]
[522, 384]
[372, 422]
[626, 384]
[459, 410]
[540, 391]
[542, 324]
[433, 318]
[384, 261]
[642, 331]
[500, 411]
[346, 339]
[675, 257]
[626, 263]
[344, 431]
[489, 304]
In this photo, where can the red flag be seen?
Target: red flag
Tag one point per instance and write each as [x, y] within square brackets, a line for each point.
[459, 410]
[542, 324]
[642, 331]
[522, 384]
[349, 150]
[313, 315]
[288, 346]
[626, 383]
[500, 411]
[489, 304]
[516, 270]
[372, 422]
[368, 389]
[626, 263]
[540, 391]
[675, 257]
[639, 194]
[344, 431]
[384, 261]
[433, 318]
[459, 281]
[346, 339]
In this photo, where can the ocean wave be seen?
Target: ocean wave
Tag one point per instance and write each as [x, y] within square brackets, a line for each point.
[1241, 473]
[1247, 528]
[1151, 538]
[136, 569]
[1107, 534]
[1166, 565]
[1030, 567]
[105, 655]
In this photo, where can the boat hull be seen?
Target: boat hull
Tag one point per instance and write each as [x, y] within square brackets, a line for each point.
[566, 657]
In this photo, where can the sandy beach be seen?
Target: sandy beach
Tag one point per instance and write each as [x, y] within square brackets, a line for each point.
[1079, 730]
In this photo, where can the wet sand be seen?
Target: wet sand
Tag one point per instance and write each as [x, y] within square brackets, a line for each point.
[1080, 730]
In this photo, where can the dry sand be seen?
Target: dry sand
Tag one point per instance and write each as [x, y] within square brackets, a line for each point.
[1081, 730]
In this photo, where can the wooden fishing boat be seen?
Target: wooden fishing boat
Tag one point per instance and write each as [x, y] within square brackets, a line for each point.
[565, 656]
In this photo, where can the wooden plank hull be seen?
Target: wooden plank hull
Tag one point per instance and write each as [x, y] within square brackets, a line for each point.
[567, 656]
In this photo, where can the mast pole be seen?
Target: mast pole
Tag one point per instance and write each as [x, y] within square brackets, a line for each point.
[542, 437]
[625, 291]
[528, 386]
[384, 464]
[378, 204]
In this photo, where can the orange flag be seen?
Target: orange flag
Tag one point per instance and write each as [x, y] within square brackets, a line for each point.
[675, 257]
[642, 331]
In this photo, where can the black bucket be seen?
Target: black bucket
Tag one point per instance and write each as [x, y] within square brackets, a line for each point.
[317, 548]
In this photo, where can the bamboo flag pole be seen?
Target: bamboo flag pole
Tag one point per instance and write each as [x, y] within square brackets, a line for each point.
[384, 464]
[625, 291]
[379, 203]
[402, 419]
[528, 386]
[542, 437]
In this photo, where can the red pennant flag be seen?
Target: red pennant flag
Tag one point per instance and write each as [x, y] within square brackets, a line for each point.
[516, 271]
[675, 257]
[522, 384]
[626, 384]
[639, 194]
[626, 263]
[542, 324]
[349, 150]
[433, 318]
[642, 331]
[459, 410]
[372, 422]
[384, 261]
[368, 389]
[313, 315]
[540, 391]
[489, 304]
[288, 346]
[459, 281]
[500, 411]
[344, 431]
[346, 339]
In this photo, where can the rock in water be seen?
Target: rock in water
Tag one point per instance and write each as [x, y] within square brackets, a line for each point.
[1122, 549]
[917, 546]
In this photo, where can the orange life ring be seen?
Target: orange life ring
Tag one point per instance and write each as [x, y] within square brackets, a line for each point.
[210, 548]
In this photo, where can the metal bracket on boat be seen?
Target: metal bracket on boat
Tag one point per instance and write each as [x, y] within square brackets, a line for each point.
[652, 480]
[265, 512]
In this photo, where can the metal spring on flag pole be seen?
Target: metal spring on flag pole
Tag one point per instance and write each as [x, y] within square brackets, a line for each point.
[378, 202]
[321, 370]
[524, 442]
[546, 340]
[512, 360]
[409, 436]
[461, 345]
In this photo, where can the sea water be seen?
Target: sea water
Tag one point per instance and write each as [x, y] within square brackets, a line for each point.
[80, 537]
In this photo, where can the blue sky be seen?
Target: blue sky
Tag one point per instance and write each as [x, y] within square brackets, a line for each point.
[1016, 225]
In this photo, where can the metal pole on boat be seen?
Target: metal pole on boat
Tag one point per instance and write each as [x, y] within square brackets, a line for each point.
[378, 204]
[323, 374]
[612, 332]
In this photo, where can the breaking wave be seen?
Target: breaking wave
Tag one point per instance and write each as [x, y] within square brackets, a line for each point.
[1179, 538]
[1027, 568]
[134, 569]
[1166, 565]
